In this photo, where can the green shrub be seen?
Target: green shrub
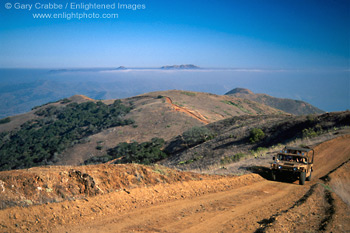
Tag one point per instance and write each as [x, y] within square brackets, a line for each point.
[188, 93]
[238, 105]
[256, 135]
[159, 170]
[98, 160]
[309, 133]
[259, 151]
[143, 153]
[197, 135]
[65, 101]
[312, 132]
[197, 158]
[311, 118]
[231, 159]
[5, 120]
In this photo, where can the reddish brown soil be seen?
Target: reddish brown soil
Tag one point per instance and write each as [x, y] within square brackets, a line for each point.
[229, 204]
[42, 185]
[85, 97]
[339, 181]
[193, 114]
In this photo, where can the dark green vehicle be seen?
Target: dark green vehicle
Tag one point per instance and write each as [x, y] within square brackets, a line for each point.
[293, 161]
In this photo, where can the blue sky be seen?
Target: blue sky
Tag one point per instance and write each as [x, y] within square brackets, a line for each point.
[269, 34]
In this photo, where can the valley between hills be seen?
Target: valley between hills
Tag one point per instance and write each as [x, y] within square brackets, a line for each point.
[172, 161]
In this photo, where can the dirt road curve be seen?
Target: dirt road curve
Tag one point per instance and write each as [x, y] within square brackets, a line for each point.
[247, 203]
[194, 114]
[262, 206]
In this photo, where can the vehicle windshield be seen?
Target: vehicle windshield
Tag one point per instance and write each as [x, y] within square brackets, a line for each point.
[296, 152]
[290, 158]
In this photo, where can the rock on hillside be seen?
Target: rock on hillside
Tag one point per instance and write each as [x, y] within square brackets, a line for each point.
[295, 107]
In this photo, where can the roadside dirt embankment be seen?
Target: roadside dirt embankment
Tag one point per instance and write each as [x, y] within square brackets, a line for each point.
[187, 202]
[47, 217]
[42, 185]
[339, 181]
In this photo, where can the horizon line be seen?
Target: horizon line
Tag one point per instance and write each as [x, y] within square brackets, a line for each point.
[161, 68]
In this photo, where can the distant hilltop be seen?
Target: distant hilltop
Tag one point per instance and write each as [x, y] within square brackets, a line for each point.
[296, 107]
[180, 67]
[121, 68]
[85, 70]
[173, 67]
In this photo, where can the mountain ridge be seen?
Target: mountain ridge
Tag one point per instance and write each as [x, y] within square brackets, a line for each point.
[162, 114]
[180, 67]
[296, 107]
[153, 118]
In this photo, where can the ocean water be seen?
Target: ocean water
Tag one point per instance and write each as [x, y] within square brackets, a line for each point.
[22, 89]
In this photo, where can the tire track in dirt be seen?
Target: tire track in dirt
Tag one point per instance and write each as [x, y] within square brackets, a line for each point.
[265, 223]
[324, 151]
[250, 209]
[207, 213]
[238, 207]
[47, 217]
[191, 113]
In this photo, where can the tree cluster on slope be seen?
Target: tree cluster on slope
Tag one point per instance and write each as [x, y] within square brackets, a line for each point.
[142, 153]
[40, 141]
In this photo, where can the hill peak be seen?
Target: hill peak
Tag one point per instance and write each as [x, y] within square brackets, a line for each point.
[239, 90]
[295, 107]
[180, 67]
[78, 98]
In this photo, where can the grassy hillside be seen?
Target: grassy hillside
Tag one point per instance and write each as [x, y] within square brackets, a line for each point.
[40, 141]
[76, 129]
[295, 107]
[244, 136]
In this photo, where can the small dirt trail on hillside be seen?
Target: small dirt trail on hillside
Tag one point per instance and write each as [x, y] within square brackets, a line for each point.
[191, 113]
[262, 206]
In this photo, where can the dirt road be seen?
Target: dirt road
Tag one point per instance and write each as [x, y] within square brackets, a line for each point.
[262, 206]
[194, 114]
[247, 203]
[238, 210]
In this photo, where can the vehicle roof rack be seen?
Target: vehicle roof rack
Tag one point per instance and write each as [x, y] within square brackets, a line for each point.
[298, 148]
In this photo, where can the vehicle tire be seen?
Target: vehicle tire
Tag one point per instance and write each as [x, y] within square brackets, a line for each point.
[273, 176]
[309, 177]
[302, 178]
